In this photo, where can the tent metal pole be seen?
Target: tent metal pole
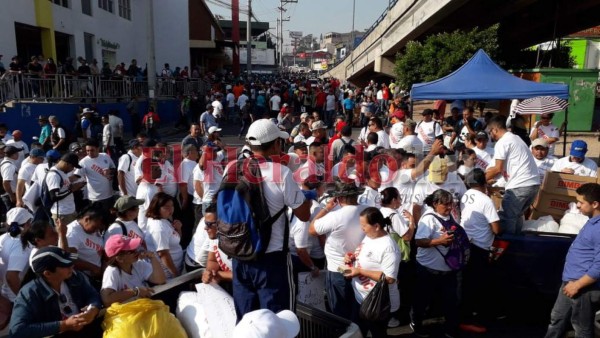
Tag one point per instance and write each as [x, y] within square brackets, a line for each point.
[411, 108]
[565, 132]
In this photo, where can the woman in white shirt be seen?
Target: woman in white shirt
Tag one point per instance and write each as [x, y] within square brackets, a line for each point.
[14, 255]
[377, 254]
[127, 208]
[128, 274]
[218, 265]
[434, 276]
[163, 234]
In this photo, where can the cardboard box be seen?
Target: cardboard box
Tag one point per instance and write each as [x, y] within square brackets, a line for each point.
[564, 184]
[554, 205]
[496, 195]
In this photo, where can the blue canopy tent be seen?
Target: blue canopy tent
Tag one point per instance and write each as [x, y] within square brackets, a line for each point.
[482, 79]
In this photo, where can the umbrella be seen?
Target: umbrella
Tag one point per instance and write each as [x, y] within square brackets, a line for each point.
[541, 105]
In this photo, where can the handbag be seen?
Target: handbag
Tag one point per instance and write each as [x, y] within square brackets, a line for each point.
[376, 306]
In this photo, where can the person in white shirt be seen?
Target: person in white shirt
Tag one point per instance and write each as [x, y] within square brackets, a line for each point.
[196, 254]
[434, 277]
[107, 136]
[116, 125]
[241, 101]
[218, 264]
[13, 255]
[18, 143]
[397, 129]
[485, 155]
[274, 106]
[344, 234]
[126, 169]
[376, 126]
[410, 142]
[514, 161]
[210, 174]
[186, 192]
[314, 165]
[375, 258]
[9, 171]
[428, 130]
[129, 271]
[230, 98]
[544, 162]
[576, 163]
[217, 106]
[98, 170]
[24, 177]
[370, 196]
[544, 129]
[481, 223]
[127, 210]
[84, 239]
[61, 185]
[163, 235]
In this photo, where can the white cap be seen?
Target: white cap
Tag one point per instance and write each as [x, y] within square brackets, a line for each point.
[264, 131]
[87, 110]
[18, 215]
[227, 87]
[266, 324]
[213, 129]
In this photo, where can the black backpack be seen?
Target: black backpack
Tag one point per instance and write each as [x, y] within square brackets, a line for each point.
[245, 223]
[339, 155]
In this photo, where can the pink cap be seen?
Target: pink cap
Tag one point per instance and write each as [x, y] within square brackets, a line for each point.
[118, 243]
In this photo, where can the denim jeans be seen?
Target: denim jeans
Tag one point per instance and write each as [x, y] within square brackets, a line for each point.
[580, 310]
[340, 294]
[514, 204]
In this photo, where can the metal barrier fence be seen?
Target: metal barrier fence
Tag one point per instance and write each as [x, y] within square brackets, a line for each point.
[70, 87]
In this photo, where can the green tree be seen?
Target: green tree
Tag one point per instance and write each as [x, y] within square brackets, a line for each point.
[443, 53]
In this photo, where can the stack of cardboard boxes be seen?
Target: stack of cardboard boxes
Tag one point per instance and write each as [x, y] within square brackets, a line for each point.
[556, 192]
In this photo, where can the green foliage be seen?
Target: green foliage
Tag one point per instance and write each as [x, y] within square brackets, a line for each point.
[443, 53]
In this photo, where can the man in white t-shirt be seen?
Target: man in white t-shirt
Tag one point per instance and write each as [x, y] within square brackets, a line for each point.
[576, 163]
[428, 130]
[263, 283]
[26, 173]
[544, 129]
[18, 143]
[125, 169]
[98, 170]
[274, 105]
[344, 234]
[514, 161]
[410, 142]
[9, 171]
[186, 192]
[481, 222]
[544, 162]
[60, 187]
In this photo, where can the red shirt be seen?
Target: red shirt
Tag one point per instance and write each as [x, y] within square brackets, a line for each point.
[320, 100]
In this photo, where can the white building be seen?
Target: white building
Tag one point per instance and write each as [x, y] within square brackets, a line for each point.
[111, 31]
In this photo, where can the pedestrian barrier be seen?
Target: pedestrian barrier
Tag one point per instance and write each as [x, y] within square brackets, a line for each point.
[315, 323]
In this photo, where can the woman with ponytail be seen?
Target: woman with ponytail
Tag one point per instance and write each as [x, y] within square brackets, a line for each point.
[14, 257]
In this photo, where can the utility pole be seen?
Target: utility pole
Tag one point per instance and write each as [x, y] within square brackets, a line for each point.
[281, 9]
[235, 36]
[352, 33]
[151, 67]
[248, 42]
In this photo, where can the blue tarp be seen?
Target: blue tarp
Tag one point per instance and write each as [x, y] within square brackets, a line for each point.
[481, 79]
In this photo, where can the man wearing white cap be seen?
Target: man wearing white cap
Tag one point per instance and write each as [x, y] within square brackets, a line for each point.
[266, 282]
[540, 149]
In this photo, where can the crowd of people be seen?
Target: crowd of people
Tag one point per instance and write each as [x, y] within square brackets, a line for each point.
[93, 220]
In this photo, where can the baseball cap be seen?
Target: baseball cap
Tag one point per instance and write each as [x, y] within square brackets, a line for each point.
[266, 324]
[539, 142]
[18, 215]
[578, 148]
[438, 170]
[53, 154]
[481, 135]
[399, 114]
[75, 146]
[340, 126]
[11, 150]
[299, 145]
[51, 257]
[87, 111]
[72, 159]
[118, 243]
[125, 203]
[318, 125]
[303, 116]
[264, 131]
[213, 129]
[36, 152]
[134, 143]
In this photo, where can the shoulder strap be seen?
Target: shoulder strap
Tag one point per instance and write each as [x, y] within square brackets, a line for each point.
[390, 228]
[130, 162]
[123, 228]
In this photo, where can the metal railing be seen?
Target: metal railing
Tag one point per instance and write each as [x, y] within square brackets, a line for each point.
[60, 87]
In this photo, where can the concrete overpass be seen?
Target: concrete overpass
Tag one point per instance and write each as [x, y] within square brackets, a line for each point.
[523, 23]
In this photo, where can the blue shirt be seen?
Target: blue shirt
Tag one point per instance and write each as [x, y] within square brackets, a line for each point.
[583, 257]
[349, 103]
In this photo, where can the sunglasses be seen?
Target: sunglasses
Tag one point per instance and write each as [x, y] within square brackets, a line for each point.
[62, 299]
[127, 252]
[211, 224]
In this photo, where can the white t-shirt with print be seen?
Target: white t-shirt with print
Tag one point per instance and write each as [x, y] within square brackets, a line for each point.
[396, 134]
[118, 280]
[13, 258]
[519, 167]
[131, 229]
[377, 254]
[547, 132]
[194, 250]
[160, 235]
[427, 132]
[587, 168]
[544, 165]
[99, 187]
[412, 144]
[224, 261]
[430, 228]
[186, 170]
[453, 185]
[127, 166]
[89, 246]
[343, 231]
[484, 160]
[65, 206]
[477, 213]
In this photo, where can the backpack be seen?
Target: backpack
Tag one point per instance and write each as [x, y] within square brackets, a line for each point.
[43, 212]
[402, 244]
[123, 228]
[459, 250]
[244, 226]
[338, 156]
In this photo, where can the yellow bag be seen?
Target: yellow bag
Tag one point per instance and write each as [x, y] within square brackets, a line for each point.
[142, 318]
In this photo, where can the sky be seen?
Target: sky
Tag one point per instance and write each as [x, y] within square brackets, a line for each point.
[310, 16]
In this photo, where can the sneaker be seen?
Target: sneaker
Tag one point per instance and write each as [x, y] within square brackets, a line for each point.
[393, 322]
[418, 330]
[473, 328]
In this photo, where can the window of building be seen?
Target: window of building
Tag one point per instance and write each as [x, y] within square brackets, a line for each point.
[106, 5]
[88, 40]
[125, 9]
[64, 3]
[86, 7]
